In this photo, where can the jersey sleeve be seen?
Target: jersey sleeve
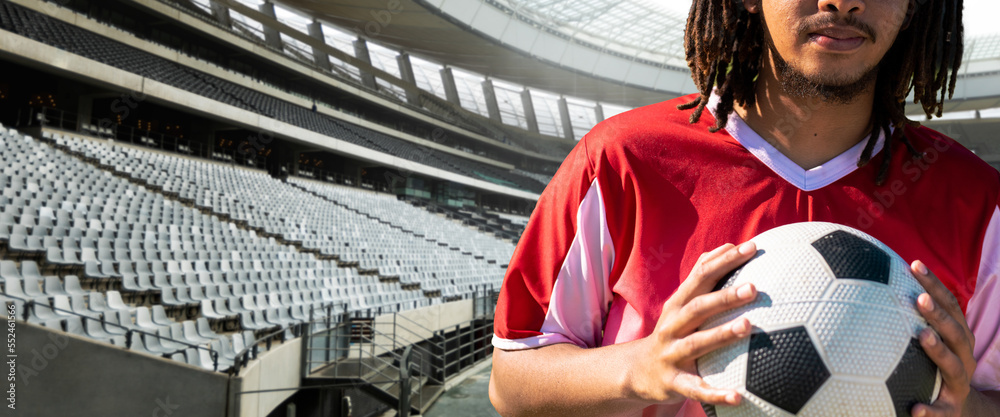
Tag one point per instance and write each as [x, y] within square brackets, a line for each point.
[982, 313]
[556, 289]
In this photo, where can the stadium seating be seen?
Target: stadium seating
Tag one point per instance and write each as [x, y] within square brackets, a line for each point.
[198, 253]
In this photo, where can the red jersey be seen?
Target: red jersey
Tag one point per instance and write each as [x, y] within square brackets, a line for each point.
[645, 193]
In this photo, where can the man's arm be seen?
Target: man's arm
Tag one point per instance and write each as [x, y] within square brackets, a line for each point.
[622, 379]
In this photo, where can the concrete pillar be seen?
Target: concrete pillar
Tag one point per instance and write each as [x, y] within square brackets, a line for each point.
[566, 122]
[599, 112]
[406, 72]
[450, 90]
[221, 14]
[361, 52]
[271, 35]
[529, 110]
[321, 58]
[84, 111]
[492, 107]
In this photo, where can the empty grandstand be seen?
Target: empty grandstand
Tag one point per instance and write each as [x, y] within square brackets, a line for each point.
[256, 208]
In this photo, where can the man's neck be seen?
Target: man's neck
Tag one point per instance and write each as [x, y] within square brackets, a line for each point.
[808, 130]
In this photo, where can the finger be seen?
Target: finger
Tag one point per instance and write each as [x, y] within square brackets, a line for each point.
[695, 388]
[938, 409]
[955, 382]
[936, 289]
[954, 332]
[706, 273]
[700, 343]
[952, 369]
[714, 252]
[704, 306]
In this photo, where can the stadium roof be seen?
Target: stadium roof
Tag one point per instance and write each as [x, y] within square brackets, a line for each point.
[627, 52]
[647, 28]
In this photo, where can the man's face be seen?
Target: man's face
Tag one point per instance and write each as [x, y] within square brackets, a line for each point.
[831, 43]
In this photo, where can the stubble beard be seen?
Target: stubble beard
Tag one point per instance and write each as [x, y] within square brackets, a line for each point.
[834, 89]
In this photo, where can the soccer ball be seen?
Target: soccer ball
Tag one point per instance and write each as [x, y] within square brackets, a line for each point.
[834, 329]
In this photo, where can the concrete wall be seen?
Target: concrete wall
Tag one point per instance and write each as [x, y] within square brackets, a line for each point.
[64, 375]
[430, 318]
[278, 372]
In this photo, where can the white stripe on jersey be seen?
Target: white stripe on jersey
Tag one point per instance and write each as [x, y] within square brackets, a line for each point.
[581, 293]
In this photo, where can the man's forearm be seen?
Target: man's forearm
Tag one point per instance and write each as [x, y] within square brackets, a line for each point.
[562, 380]
[982, 404]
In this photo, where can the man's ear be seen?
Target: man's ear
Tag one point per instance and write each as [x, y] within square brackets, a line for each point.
[752, 6]
[910, 10]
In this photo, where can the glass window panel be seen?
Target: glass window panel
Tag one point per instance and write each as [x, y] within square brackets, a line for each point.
[384, 59]
[547, 113]
[428, 76]
[582, 116]
[470, 91]
[339, 39]
[611, 110]
[246, 25]
[510, 104]
[203, 5]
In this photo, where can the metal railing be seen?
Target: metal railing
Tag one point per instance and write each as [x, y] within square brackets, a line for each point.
[295, 330]
[400, 352]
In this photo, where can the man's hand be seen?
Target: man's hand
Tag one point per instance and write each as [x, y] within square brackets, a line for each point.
[664, 370]
[948, 342]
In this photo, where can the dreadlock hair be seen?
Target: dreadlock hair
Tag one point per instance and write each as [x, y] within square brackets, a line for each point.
[724, 45]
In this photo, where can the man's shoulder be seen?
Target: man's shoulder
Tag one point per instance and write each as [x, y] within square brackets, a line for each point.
[659, 121]
[957, 161]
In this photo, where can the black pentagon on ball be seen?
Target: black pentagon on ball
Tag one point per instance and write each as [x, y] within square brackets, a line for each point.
[913, 379]
[709, 410]
[784, 369]
[852, 257]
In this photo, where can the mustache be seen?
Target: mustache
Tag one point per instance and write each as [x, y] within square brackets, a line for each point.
[826, 19]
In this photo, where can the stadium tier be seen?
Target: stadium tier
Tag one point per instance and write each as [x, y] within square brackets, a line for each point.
[206, 254]
[34, 25]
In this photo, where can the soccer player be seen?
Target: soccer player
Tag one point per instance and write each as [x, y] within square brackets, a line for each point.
[600, 308]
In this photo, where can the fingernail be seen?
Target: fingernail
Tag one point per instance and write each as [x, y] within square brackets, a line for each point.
[920, 413]
[921, 268]
[732, 398]
[740, 327]
[747, 248]
[927, 302]
[929, 338]
[745, 292]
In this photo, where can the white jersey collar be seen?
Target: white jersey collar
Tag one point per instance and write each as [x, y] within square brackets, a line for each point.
[805, 180]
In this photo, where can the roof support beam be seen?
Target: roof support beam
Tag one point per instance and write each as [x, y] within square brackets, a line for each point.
[567, 123]
[322, 58]
[529, 110]
[450, 90]
[271, 35]
[490, 94]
